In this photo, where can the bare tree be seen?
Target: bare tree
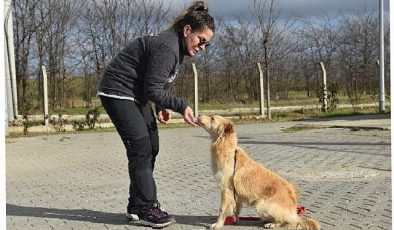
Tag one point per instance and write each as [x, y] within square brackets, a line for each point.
[107, 26]
[78, 38]
[151, 16]
[41, 51]
[267, 13]
[58, 22]
[104, 26]
[206, 64]
[320, 42]
[238, 49]
[358, 52]
[24, 29]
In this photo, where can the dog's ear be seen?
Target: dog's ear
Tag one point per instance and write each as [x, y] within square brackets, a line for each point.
[228, 127]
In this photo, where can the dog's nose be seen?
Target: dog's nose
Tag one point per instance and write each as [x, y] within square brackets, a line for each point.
[199, 117]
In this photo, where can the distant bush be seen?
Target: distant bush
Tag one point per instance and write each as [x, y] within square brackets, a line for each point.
[92, 117]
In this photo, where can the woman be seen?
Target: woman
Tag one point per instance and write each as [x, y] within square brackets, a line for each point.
[140, 74]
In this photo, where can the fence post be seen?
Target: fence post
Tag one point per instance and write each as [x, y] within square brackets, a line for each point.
[195, 90]
[261, 80]
[45, 88]
[324, 107]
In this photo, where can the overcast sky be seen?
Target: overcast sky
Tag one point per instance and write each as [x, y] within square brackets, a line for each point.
[291, 8]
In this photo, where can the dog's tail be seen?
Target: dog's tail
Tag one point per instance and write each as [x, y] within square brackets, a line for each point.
[296, 189]
[308, 224]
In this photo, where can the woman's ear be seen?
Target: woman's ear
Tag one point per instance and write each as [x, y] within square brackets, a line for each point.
[186, 30]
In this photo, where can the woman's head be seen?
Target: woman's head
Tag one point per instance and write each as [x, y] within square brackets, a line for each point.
[196, 26]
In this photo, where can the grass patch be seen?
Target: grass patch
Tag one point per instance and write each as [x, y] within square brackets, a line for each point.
[295, 98]
[34, 134]
[298, 115]
[96, 130]
[173, 125]
[298, 128]
[223, 106]
[355, 129]
[78, 111]
[346, 113]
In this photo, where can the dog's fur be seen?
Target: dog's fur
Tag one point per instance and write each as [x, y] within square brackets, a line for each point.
[249, 182]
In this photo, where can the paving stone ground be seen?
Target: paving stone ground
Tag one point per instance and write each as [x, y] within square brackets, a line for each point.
[79, 181]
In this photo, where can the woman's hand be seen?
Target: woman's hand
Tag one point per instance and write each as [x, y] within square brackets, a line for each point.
[164, 116]
[189, 117]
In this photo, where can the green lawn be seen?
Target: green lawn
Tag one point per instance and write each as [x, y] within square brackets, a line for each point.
[295, 99]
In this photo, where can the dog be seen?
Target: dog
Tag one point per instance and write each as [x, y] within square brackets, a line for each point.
[244, 181]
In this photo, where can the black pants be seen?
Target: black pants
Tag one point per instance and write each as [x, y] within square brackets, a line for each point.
[136, 125]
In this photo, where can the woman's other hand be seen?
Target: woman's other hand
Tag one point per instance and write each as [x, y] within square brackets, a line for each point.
[164, 116]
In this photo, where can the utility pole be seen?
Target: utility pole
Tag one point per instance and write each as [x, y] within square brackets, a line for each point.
[381, 59]
[10, 71]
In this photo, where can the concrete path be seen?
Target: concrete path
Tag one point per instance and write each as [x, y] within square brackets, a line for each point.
[80, 181]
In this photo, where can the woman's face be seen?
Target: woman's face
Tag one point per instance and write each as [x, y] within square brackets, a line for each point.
[196, 41]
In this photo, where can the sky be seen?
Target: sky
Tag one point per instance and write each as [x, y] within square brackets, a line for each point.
[290, 8]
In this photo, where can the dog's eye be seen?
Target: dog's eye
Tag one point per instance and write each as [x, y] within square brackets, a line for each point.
[212, 119]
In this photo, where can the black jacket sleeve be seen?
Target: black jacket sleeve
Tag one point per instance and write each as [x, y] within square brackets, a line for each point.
[160, 70]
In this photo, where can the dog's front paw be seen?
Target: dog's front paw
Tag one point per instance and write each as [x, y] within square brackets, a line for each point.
[216, 226]
[271, 225]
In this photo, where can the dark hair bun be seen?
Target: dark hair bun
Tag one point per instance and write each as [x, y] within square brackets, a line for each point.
[202, 8]
[198, 6]
[196, 16]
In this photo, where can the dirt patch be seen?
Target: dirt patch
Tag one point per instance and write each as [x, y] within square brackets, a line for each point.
[297, 128]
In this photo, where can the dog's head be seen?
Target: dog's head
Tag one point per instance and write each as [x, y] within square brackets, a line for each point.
[216, 125]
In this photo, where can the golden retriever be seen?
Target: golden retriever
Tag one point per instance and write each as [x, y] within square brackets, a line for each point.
[243, 181]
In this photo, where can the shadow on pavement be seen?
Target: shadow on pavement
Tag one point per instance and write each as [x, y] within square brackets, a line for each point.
[206, 221]
[310, 143]
[92, 216]
[354, 117]
[319, 145]
[199, 221]
[68, 214]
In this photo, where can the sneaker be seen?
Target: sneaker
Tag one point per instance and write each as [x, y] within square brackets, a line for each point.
[132, 216]
[154, 217]
[131, 213]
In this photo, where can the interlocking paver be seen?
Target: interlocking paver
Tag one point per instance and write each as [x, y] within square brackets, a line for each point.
[79, 181]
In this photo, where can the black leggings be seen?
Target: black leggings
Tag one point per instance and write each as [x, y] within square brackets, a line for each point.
[136, 125]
